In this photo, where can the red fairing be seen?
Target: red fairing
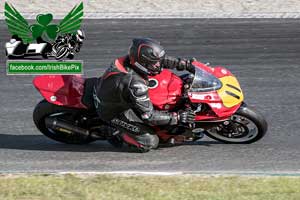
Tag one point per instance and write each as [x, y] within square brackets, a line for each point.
[66, 90]
[212, 98]
[165, 94]
[203, 66]
[220, 72]
[217, 71]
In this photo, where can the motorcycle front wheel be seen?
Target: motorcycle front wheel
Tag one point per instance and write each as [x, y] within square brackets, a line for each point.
[244, 127]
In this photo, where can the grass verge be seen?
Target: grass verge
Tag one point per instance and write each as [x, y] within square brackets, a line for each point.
[64, 187]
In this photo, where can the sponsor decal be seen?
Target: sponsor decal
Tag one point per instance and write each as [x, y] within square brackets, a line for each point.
[53, 98]
[126, 125]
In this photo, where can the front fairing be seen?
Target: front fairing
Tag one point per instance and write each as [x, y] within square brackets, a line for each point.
[217, 87]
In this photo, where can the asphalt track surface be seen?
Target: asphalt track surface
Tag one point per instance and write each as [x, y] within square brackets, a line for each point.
[263, 53]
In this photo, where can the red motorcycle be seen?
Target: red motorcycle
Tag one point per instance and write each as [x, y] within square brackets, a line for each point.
[67, 113]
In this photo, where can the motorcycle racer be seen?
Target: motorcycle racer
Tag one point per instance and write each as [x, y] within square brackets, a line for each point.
[121, 96]
[68, 114]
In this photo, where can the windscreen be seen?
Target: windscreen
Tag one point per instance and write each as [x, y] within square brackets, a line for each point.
[204, 81]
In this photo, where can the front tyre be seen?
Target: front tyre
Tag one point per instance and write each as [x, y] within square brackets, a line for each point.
[244, 127]
[45, 109]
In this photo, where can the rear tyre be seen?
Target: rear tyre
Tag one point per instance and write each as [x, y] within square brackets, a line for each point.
[245, 126]
[45, 109]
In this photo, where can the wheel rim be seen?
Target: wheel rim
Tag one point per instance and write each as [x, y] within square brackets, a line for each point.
[239, 129]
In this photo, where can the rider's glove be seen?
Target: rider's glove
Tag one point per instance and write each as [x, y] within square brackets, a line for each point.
[184, 64]
[186, 117]
[179, 63]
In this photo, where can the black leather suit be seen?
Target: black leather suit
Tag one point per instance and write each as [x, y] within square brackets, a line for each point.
[121, 98]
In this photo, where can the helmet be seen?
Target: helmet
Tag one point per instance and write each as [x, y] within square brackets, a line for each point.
[145, 55]
[80, 35]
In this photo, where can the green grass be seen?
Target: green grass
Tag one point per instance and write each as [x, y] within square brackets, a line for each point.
[50, 187]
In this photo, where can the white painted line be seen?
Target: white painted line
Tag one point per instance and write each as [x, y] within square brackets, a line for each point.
[195, 173]
[164, 173]
[149, 173]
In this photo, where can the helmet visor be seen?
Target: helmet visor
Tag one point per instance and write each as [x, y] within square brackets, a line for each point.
[154, 67]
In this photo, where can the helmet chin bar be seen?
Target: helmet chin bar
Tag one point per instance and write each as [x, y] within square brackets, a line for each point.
[145, 70]
[141, 67]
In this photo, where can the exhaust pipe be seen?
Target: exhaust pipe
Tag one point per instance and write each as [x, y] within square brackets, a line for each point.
[58, 125]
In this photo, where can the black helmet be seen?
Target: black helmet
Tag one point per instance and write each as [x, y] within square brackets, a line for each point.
[145, 55]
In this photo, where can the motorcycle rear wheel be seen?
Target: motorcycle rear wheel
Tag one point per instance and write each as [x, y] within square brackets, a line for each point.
[244, 127]
[45, 109]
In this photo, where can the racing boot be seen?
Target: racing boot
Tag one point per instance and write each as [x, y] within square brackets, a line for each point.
[141, 143]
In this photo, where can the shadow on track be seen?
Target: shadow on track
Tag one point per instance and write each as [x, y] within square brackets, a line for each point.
[42, 143]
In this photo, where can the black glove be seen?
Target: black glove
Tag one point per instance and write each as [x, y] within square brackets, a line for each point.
[179, 63]
[184, 64]
[186, 117]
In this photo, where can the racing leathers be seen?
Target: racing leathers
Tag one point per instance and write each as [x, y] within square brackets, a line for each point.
[121, 97]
